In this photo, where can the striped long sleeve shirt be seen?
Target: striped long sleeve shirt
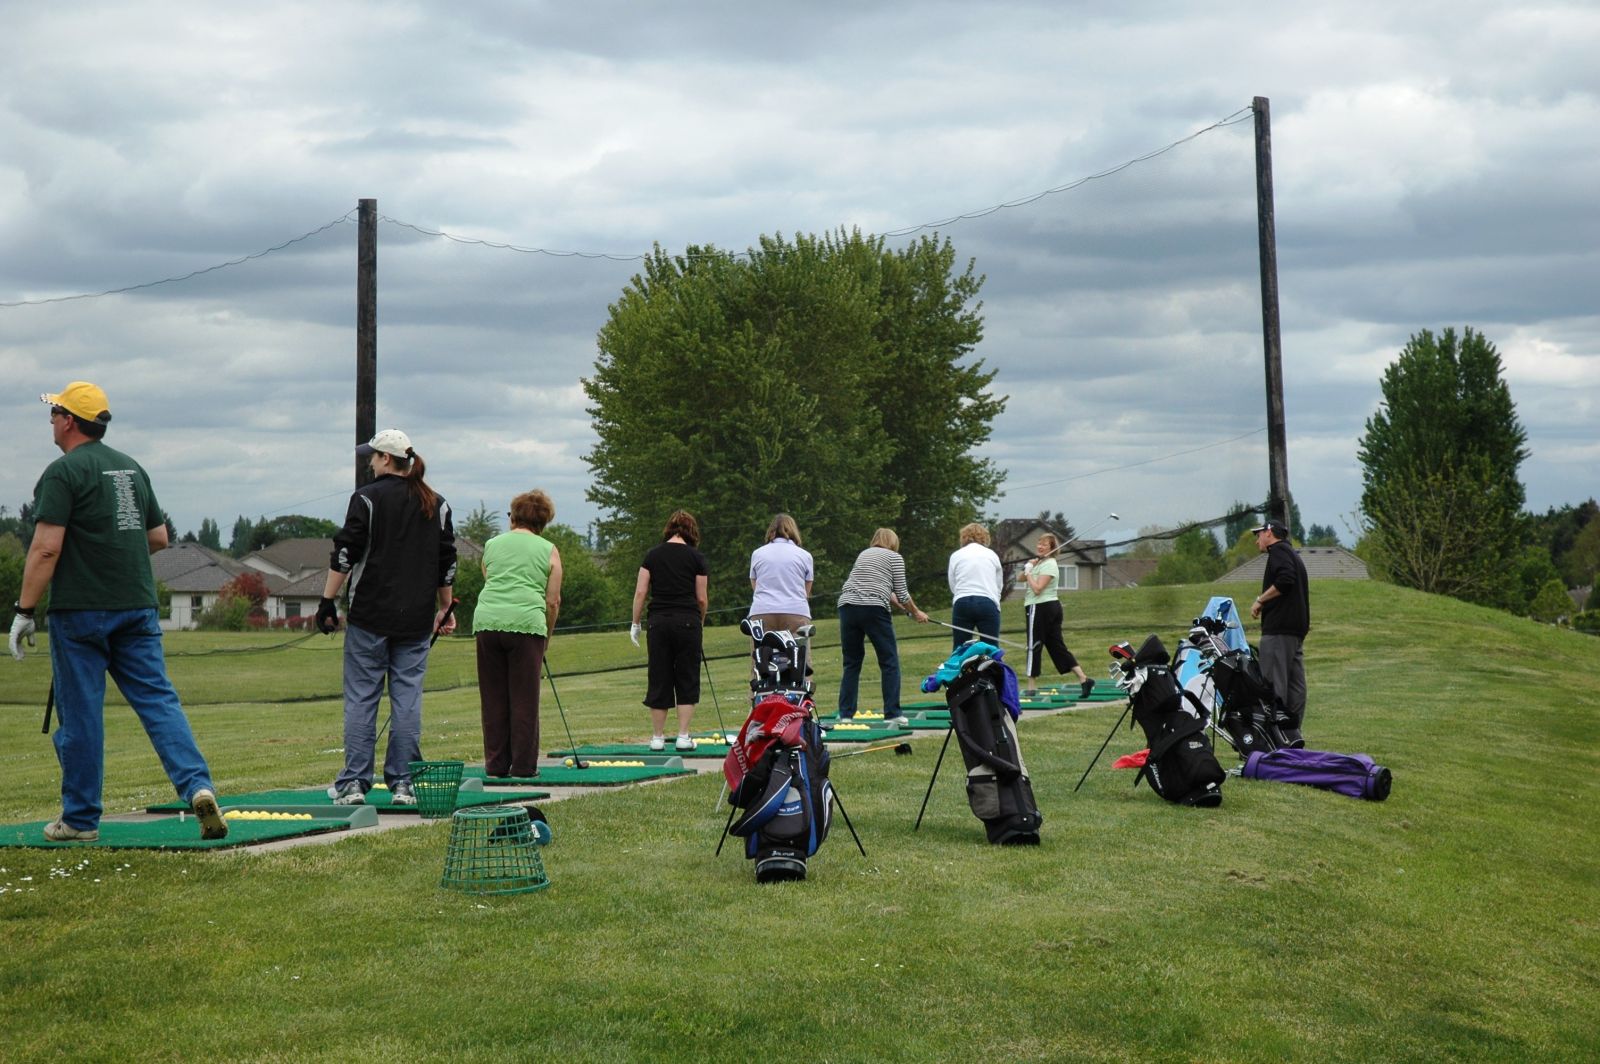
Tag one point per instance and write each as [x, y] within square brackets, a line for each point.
[878, 574]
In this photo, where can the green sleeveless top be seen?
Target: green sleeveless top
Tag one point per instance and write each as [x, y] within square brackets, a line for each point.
[516, 572]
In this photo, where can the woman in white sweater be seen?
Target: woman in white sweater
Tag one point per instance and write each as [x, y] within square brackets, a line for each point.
[975, 583]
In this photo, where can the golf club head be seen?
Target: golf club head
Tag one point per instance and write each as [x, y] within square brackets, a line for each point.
[1123, 650]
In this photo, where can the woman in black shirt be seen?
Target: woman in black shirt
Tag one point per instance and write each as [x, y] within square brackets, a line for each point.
[673, 575]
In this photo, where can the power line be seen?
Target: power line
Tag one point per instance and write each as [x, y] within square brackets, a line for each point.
[194, 273]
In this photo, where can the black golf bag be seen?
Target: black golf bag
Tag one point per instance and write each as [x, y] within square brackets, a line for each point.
[1251, 716]
[1180, 766]
[779, 663]
[998, 788]
[785, 794]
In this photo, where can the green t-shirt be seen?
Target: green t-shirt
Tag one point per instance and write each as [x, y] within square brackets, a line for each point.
[104, 501]
[1045, 568]
[516, 569]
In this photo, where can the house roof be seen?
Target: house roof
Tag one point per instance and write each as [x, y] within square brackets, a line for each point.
[1322, 563]
[1129, 572]
[295, 556]
[212, 577]
[179, 558]
[308, 586]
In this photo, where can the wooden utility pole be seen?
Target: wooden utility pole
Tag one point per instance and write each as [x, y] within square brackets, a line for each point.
[366, 330]
[1277, 440]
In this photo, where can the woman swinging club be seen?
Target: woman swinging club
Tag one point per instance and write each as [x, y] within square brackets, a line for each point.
[1043, 612]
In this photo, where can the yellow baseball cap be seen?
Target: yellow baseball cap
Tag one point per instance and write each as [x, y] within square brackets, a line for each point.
[81, 399]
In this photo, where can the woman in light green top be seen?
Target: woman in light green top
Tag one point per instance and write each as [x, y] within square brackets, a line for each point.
[1043, 611]
[512, 622]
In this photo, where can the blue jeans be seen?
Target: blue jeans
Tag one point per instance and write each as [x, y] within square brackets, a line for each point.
[84, 646]
[978, 613]
[369, 659]
[857, 624]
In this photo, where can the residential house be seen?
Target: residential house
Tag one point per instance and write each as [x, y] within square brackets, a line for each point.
[194, 575]
[1322, 563]
[1082, 561]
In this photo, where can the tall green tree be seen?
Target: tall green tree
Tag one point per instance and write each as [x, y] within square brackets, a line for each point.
[480, 526]
[1439, 460]
[239, 545]
[1195, 558]
[210, 535]
[828, 377]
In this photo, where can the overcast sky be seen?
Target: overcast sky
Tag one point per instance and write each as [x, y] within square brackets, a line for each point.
[1435, 164]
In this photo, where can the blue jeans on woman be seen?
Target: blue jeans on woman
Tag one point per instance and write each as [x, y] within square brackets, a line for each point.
[84, 646]
[856, 625]
[977, 613]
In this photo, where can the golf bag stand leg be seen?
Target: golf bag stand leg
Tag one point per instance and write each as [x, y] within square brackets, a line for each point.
[847, 822]
[1103, 746]
[935, 776]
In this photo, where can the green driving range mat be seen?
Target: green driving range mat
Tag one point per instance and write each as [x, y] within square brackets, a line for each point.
[169, 833]
[642, 752]
[856, 733]
[1104, 691]
[377, 798]
[598, 776]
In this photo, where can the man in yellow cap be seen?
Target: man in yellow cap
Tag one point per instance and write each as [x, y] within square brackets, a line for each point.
[98, 524]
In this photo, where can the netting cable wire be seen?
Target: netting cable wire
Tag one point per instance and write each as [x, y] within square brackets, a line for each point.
[341, 220]
[1242, 115]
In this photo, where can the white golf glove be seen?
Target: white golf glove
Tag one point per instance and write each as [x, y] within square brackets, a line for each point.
[1028, 568]
[633, 633]
[21, 628]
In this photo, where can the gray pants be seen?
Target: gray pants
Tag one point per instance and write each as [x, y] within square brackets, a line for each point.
[369, 659]
[1285, 669]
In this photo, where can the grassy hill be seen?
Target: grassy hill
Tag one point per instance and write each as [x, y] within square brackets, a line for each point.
[1458, 920]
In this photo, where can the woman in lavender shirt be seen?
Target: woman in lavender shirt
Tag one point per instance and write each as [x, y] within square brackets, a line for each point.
[780, 575]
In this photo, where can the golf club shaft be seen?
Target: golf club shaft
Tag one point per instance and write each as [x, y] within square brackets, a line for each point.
[577, 761]
[714, 703]
[978, 634]
[49, 706]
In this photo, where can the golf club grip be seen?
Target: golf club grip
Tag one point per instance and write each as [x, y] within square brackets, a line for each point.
[438, 629]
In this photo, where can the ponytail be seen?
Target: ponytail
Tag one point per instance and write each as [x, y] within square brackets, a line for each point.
[426, 498]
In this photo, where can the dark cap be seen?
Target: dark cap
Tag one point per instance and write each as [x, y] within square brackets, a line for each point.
[1275, 527]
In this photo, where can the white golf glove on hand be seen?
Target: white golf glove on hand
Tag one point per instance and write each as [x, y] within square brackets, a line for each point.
[22, 627]
[1028, 568]
[633, 633]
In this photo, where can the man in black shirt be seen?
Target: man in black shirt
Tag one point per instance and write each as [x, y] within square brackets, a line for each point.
[1284, 607]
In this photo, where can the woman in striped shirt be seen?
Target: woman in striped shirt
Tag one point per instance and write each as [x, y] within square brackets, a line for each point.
[876, 585]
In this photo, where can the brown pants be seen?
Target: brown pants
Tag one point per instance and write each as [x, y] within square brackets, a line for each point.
[508, 694]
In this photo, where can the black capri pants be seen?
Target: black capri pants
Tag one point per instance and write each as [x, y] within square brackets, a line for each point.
[673, 676]
[1044, 633]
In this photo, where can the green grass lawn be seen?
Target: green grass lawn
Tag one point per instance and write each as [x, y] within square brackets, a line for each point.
[1456, 921]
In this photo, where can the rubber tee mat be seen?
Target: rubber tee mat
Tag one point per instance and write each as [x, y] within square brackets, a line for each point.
[572, 776]
[170, 833]
[378, 798]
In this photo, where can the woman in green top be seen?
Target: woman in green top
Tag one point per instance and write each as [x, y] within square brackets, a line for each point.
[515, 615]
[1043, 611]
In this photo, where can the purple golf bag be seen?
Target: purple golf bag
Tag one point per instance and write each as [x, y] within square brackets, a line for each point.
[1353, 775]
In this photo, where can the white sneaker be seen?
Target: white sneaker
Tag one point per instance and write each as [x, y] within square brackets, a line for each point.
[212, 824]
[59, 830]
[685, 743]
[658, 743]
